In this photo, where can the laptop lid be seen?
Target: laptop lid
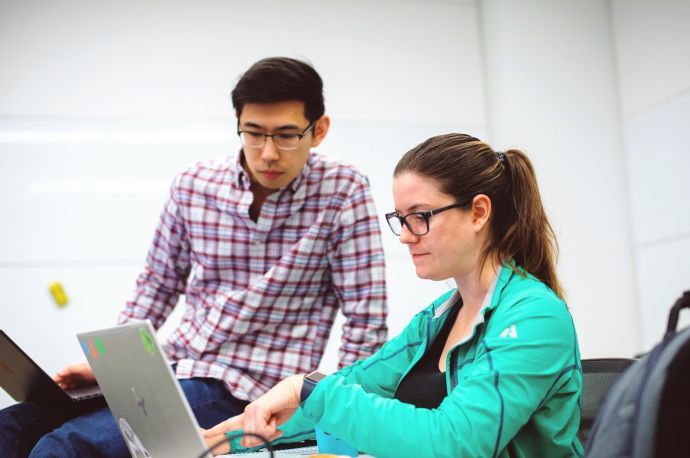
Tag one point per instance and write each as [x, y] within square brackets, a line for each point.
[24, 380]
[142, 392]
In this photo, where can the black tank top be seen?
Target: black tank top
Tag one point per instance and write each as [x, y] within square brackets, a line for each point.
[425, 385]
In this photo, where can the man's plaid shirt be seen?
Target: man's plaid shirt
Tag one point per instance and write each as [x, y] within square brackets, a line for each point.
[261, 296]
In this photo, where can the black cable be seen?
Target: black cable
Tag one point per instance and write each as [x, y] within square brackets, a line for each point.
[230, 436]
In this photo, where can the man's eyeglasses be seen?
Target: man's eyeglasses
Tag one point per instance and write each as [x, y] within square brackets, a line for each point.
[416, 222]
[281, 140]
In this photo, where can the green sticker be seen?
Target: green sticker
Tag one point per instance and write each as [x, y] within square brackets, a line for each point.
[99, 346]
[147, 340]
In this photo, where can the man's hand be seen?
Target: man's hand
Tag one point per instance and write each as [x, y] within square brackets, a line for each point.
[75, 376]
[262, 416]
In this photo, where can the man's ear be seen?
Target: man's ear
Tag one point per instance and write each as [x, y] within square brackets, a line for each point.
[481, 211]
[321, 127]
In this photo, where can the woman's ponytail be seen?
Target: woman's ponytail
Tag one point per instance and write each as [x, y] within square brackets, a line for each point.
[522, 231]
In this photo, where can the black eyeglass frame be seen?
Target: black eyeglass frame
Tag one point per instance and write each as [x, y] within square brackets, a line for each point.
[426, 215]
[300, 136]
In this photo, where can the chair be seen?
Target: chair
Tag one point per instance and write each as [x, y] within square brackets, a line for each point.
[598, 375]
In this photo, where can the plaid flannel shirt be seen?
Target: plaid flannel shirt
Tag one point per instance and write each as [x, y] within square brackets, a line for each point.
[261, 296]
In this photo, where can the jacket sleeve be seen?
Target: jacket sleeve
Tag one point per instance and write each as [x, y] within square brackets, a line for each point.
[167, 268]
[358, 275]
[377, 374]
[380, 373]
[497, 393]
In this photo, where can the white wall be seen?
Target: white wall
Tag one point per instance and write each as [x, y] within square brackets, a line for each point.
[653, 56]
[552, 91]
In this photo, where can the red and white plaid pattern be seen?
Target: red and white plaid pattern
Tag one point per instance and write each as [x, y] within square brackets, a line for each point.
[261, 296]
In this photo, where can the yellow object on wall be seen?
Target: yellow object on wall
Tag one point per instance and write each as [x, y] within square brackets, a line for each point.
[58, 293]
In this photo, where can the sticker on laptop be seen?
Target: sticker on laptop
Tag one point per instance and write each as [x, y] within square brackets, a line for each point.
[98, 343]
[134, 445]
[93, 347]
[148, 341]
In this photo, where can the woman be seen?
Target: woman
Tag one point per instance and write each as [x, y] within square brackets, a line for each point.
[489, 369]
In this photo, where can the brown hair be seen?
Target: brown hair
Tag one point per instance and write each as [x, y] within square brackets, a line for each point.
[519, 230]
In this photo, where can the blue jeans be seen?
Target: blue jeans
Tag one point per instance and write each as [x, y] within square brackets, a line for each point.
[29, 429]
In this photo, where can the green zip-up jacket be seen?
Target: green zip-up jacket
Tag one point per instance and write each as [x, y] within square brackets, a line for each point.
[513, 385]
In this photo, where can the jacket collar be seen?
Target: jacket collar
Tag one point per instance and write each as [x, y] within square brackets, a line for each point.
[499, 282]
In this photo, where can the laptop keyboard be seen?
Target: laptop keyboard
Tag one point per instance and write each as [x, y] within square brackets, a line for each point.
[300, 451]
[84, 392]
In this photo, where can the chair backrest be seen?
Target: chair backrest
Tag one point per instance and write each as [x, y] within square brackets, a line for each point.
[598, 375]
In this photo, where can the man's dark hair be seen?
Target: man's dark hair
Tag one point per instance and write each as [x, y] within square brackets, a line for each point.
[280, 79]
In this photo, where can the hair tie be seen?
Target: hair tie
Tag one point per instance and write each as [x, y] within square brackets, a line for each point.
[501, 156]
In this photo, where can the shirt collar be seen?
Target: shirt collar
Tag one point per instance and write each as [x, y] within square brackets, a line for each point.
[242, 178]
[295, 184]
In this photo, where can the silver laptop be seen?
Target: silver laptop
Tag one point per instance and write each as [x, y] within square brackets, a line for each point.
[144, 396]
[142, 392]
[24, 380]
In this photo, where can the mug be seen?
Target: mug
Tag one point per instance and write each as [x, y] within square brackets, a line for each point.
[328, 443]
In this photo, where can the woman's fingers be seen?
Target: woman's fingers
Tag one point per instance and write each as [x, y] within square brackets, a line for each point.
[217, 434]
[222, 447]
[231, 424]
[263, 416]
[261, 423]
[275, 435]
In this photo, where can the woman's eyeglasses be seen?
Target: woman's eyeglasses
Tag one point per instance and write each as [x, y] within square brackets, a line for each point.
[416, 222]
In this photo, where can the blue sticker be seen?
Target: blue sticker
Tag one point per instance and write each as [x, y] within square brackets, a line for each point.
[85, 347]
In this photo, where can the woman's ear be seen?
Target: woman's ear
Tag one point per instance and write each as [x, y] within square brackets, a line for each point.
[481, 211]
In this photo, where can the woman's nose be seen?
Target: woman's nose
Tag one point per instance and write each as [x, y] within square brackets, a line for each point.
[406, 236]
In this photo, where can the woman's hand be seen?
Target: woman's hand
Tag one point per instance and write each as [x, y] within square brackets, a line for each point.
[75, 376]
[274, 408]
[262, 416]
[216, 434]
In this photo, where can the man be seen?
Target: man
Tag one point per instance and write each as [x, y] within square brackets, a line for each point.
[266, 246]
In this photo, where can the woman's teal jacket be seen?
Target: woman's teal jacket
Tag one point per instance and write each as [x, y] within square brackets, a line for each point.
[513, 385]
